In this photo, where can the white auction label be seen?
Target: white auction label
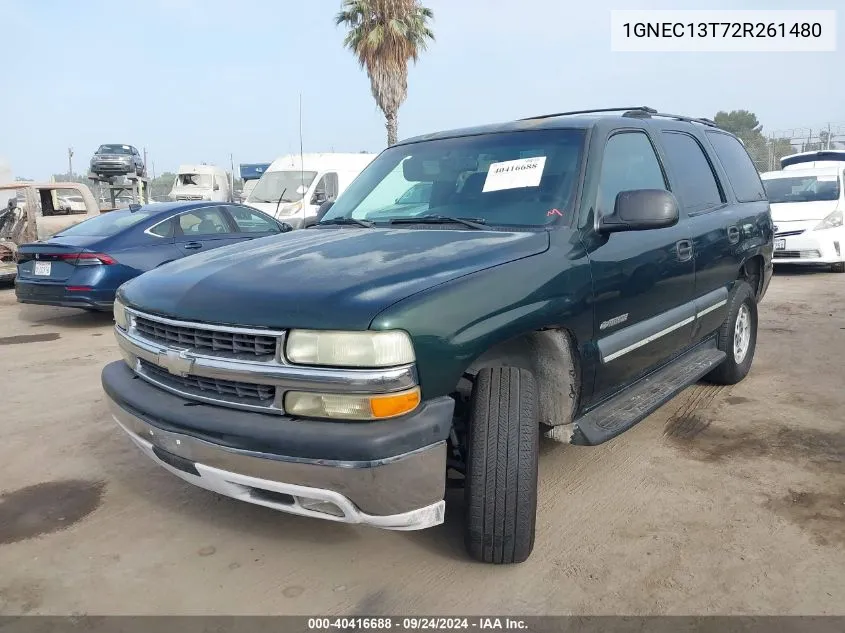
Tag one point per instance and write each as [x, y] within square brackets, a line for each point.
[731, 31]
[514, 174]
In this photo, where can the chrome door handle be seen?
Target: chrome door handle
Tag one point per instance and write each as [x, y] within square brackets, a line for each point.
[684, 249]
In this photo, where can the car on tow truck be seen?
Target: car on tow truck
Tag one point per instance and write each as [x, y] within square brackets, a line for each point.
[564, 275]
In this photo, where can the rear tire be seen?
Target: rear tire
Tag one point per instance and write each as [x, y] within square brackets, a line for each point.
[501, 478]
[737, 336]
[838, 267]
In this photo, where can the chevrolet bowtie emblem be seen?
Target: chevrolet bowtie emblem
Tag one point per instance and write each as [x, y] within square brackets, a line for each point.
[178, 363]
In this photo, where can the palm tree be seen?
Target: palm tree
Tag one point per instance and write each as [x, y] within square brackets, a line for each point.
[384, 35]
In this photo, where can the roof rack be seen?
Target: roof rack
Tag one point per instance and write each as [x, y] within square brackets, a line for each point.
[635, 112]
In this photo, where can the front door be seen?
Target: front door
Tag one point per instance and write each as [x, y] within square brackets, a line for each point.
[643, 280]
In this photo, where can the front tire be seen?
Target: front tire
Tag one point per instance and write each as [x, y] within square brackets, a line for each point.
[737, 336]
[501, 479]
[838, 267]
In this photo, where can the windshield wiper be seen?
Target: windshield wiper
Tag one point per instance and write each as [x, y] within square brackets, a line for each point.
[343, 221]
[473, 223]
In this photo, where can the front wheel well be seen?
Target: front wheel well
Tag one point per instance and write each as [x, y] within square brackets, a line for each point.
[550, 355]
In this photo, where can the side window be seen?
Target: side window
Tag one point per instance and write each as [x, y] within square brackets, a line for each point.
[326, 188]
[249, 221]
[203, 222]
[163, 229]
[629, 163]
[741, 171]
[695, 181]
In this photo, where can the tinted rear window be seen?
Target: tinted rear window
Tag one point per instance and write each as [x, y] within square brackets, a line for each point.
[108, 224]
[741, 171]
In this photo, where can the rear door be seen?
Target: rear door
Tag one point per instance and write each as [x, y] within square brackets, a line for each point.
[643, 280]
[204, 229]
[713, 213]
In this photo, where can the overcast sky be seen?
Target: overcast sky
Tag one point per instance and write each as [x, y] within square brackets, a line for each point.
[196, 80]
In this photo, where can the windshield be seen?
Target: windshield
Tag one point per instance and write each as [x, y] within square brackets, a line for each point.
[107, 224]
[802, 188]
[270, 186]
[513, 178]
[114, 149]
[193, 180]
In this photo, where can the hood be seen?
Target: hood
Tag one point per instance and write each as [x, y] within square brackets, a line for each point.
[338, 278]
[802, 211]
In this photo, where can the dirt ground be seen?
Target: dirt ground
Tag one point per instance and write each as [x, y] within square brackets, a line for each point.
[725, 501]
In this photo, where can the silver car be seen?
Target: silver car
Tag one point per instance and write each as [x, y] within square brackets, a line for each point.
[117, 160]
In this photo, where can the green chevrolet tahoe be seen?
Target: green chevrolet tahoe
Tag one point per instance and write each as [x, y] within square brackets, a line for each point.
[563, 275]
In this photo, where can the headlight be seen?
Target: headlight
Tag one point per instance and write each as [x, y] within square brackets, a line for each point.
[349, 349]
[290, 210]
[120, 314]
[351, 407]
[831, 221]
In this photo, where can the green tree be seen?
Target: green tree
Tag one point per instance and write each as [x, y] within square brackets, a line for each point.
[385, 35]
[743, 124]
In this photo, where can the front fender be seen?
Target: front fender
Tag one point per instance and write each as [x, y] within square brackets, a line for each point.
[453, 323]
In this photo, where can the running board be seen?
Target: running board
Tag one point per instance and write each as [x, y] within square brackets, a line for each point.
[625, 409]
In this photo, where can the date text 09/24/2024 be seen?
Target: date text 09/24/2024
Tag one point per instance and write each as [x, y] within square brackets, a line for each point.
[416, 623]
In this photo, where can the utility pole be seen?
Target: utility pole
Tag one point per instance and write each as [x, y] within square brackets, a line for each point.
[69, 163]
[145, 158]
[232, 176]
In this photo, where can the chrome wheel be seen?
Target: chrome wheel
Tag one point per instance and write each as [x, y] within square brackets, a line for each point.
[742, 333]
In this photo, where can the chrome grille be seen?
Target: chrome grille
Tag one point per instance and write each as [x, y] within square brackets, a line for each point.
[245, 392]
[202, 339]
[789, 233]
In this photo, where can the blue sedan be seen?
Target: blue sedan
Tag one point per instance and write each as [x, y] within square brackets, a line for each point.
[82, 266]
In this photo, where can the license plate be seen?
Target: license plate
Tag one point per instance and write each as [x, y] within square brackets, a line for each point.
[43, 268]
[780, 245]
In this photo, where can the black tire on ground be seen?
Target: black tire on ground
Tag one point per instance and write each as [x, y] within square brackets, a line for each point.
[838, 267]
[740, 301]
[501, 478]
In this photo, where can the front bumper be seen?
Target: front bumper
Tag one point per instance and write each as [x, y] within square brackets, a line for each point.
[811, 247]
[387, 474]
[112, 167]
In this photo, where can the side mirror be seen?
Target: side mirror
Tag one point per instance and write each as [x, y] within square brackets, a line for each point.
[319, 197]
[324, 209]
[216, 187]
[641, 210]
[285, 227]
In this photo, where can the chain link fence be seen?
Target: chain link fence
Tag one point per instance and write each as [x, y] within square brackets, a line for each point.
[767, 152]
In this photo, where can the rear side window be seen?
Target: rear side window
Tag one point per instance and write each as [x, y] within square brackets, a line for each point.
[741, 171]
[695, 182]
[629, 164]
[163, 229]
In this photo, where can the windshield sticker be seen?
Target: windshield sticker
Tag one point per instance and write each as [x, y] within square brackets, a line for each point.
[514, 174]
[832, 178]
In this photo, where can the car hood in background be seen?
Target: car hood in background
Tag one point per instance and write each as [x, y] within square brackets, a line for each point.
[327, 278]
[802, 211]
